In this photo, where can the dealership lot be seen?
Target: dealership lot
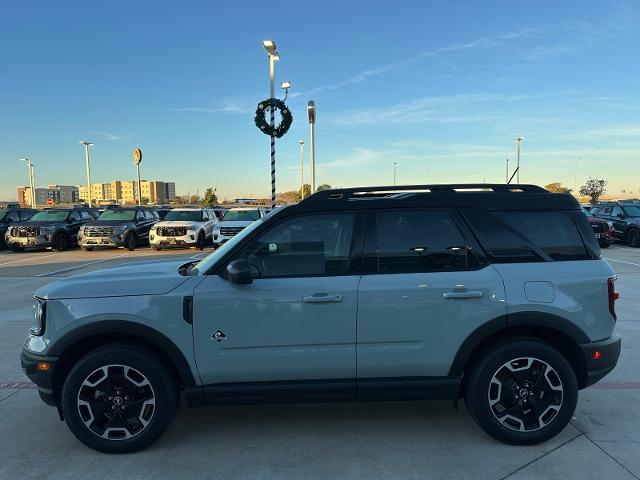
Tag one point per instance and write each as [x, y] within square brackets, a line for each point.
[370, 440]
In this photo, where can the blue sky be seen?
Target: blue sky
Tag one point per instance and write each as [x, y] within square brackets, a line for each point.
[442, 88]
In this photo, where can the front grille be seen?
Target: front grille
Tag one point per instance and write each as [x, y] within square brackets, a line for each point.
[230, 231]
[99, 231]
[172, 231]
[25, 231]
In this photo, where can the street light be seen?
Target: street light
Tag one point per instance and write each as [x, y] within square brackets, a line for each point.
[311, 111]
[270, 47]
[394, 173]
[86, 158]
[32, 190]
[518, 140]
[286, 85]
[301, 143]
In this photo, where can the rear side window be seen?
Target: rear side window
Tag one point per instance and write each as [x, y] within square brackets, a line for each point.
[554, 232]
[419, 241]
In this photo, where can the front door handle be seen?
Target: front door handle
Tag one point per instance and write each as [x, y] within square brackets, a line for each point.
[465, 294]
[322, 298]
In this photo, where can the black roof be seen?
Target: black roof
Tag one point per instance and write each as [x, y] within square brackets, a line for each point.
[488, 196]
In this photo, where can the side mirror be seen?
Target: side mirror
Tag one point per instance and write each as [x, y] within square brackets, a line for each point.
[239, 271]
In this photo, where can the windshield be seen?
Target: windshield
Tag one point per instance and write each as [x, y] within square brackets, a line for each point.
[241, 215]
[632, 211]
[184, 216]
[50, 216]
[126, 215]
[207, 262]
[3, 213]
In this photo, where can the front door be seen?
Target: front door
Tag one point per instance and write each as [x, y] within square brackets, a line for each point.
[428, 287]
[296, 321]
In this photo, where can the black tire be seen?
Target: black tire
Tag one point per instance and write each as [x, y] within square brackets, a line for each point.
[142, 364]
[632, 237]
[527, 426]
[130, 241]
[60, 241]
[604, 244]
[87, 249]
[15, 248]
[201, 240]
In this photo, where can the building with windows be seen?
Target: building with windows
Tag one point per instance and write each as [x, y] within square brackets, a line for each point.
[60, 194]
[126, 191]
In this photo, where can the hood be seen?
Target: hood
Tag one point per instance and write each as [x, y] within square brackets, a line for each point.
[236, 223]
[35, 224]
[596, 220]
[141, 278]
[109, 223]
[178, 223]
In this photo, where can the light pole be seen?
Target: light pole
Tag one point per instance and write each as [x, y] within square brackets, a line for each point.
[394, 173]
[301, 143]
[575, 177]
[311, 110]
[518, 140]
[507, 171]
[32, 190]
[86, 158]
[270, 47]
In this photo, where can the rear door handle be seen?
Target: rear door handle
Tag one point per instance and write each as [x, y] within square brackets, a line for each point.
[467, 294]
[322, 298]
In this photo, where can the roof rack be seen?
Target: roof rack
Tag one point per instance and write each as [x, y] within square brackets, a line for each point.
[403, 191]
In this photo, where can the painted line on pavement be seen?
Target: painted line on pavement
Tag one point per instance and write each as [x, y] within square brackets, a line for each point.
[25, 259]
[78, 267]
[17, 386]
[622, 261]
[617, 386]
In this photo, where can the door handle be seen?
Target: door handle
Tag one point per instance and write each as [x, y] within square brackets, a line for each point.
[466, 294]
[322, 298]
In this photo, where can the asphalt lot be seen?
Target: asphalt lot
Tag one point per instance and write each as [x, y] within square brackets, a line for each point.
[371, 440]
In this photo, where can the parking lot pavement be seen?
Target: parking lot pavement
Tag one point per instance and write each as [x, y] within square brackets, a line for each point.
[404, 440]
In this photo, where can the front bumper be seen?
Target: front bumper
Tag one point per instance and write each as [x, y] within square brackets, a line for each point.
[116, 240]
[188, 240]
[42, 379]
[600, 358]
[41, 241]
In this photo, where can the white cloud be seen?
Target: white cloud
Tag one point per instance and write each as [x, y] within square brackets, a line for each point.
[107, 135]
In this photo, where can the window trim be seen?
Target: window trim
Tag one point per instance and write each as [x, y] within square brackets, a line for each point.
[369, 256]
[355, 255]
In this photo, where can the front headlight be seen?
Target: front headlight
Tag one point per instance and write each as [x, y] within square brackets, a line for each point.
[39, 317]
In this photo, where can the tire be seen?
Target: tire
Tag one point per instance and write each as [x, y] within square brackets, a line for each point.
[156, 248]
[60, 242]
[15, 248]
[87, 249]
[632, 237]
[530, 422]
[101, 386]
[604, 244]
[130, 241]
[201, 240]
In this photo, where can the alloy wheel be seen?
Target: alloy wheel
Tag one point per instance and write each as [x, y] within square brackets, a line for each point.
[525, 394]
[116, 402]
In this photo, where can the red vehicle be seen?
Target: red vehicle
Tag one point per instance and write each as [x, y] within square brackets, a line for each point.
[602, 229]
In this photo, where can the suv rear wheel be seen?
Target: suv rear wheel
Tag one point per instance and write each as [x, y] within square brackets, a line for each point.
[119, 398]
[60, 242]
[130, 241]
[523, 392]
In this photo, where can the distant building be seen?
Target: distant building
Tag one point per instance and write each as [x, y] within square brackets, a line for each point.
[170, 191]
[246, 201]
[65, 194]
[126, 191]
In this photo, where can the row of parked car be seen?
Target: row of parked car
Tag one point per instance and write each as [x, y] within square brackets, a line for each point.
[127, 227]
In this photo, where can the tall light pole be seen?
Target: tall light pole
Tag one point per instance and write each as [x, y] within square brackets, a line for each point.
[311, 110]
[270, 47]
[518, 140]
[32, 190]
[301, 143]
[394, 173]
[575, 177]
[86, 158]
[507, 172]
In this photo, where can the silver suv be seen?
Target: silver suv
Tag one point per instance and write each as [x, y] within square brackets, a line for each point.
[492, 293]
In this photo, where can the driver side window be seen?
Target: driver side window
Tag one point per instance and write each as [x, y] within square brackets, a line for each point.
[313, 245]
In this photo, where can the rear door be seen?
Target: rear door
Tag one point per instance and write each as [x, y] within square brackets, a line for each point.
[618, 218]
[426, 289]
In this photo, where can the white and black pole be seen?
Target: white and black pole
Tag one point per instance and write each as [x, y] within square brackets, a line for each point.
[270, 47]
[88, 165]
[311, 110]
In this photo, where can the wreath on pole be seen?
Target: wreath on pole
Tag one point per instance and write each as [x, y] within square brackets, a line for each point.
[261, 117]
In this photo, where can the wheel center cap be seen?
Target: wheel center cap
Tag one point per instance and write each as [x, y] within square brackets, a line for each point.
[118, 401]
[523, 392]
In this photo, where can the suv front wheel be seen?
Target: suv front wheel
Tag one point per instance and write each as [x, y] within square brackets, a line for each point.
[119, 398]
[523, 392]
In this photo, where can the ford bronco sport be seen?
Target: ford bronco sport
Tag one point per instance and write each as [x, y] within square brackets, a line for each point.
[417, 292]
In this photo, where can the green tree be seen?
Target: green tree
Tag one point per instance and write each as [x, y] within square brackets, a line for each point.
[324, 186]
[210, 198]
[557, 187]
[594, 188]
[307, 192]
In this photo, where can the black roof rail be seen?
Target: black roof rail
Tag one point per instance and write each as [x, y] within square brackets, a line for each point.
[401, 191]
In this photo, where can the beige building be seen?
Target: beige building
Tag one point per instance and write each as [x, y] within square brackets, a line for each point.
[126, 191]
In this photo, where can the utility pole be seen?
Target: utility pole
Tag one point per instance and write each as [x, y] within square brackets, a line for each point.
[32, 182]
[311, 110]
[86, 158]
[301, 143]
[394, 173]
[518, 140]
[270, 47]
[507, 172]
